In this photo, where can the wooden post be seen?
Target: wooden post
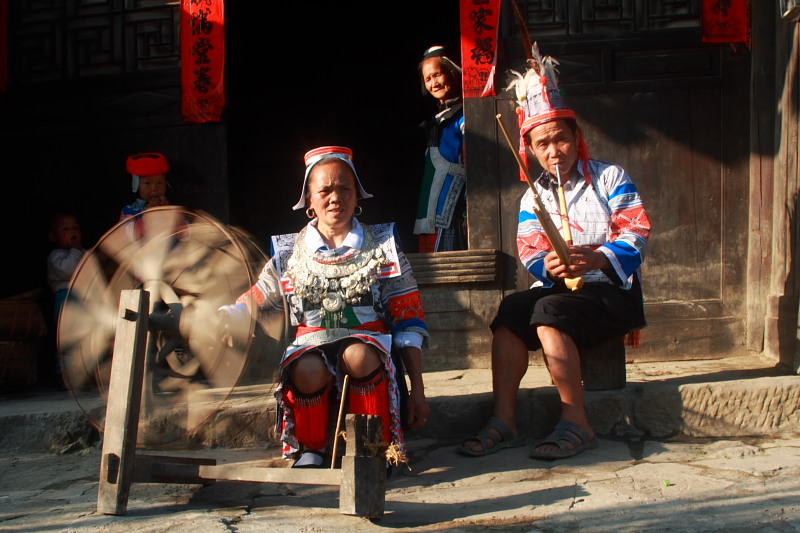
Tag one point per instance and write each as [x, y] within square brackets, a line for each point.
[363, 489]
[124, 400]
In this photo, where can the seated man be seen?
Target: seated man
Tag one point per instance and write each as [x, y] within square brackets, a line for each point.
[610, 229]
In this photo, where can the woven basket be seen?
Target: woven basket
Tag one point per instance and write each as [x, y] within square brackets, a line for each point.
[21, 317]
[18, 364]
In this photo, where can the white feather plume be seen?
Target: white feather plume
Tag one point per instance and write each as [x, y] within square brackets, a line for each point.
[531, 82]
[544, 66]
[518, 85]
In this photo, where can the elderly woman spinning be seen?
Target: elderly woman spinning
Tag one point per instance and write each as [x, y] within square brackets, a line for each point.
[352, 295]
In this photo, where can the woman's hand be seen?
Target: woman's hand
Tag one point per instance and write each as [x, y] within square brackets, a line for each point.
[418, 409]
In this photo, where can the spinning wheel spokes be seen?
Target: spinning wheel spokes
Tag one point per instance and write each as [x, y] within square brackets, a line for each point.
[190, 264]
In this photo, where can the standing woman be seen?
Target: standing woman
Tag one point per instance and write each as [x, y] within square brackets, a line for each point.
[442, 209]
[353, 297]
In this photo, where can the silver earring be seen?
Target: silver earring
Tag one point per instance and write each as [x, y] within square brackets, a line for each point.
[310, 213]
[358, 211]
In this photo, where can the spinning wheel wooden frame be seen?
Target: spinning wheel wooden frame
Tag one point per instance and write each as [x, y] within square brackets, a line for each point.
[362, 478]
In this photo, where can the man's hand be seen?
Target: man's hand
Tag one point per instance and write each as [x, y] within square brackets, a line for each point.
[582, 259]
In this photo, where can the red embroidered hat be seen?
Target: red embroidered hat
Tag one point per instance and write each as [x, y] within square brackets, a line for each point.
[538, 97]
[316, 155]
[147, 164]
[539, 101]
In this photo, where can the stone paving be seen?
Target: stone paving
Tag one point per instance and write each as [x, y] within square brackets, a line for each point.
[711, 485]
[704, 446]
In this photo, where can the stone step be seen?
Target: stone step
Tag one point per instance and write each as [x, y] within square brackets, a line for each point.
[732, 397]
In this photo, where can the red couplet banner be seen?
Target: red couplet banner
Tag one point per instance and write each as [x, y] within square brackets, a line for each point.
[479, 24]
[203, 59]
[726, 21]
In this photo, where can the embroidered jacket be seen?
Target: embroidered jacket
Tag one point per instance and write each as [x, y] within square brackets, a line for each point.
[131, 210]
[389, 312]
[392, 306]
[605, 211]
[444, 175]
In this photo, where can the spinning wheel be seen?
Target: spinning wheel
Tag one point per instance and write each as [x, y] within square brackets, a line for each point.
[190, 264]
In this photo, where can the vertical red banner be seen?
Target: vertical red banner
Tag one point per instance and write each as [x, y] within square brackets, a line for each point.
[726, 21]
[203, 59]
[479, 25]
[4, 37]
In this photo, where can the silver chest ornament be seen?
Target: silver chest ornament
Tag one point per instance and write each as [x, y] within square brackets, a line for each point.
[333, 281]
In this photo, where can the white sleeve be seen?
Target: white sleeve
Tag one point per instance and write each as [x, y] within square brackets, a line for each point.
[406, 339]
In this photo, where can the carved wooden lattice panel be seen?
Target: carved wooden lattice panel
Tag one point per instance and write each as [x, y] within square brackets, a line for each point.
[65, 39]
[573, 17]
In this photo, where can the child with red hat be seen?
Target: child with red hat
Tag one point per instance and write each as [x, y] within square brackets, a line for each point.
[149, 180]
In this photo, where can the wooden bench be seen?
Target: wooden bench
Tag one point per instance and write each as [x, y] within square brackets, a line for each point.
[458, 266]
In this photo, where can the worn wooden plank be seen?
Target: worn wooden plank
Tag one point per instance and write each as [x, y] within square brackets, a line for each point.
[149, 469]
[456, 268]
[124, 400]
[363, 490]
[460, 256]
[463, 266]
[174, 470]
[461, 278]
[483, 204]
[259, 474]
[781, 330]
[762, 170]
[488, 266]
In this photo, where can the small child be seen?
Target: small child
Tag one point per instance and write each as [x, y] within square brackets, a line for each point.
[63, 259]
[149, 171]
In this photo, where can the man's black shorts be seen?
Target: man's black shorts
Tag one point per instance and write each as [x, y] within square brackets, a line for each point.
[591, 314]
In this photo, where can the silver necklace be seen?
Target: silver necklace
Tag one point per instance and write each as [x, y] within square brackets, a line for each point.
[335, 280]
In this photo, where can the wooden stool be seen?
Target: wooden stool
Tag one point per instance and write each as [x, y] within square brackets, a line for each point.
[603, 366]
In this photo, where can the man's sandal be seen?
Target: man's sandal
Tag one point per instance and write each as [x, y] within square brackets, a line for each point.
[496, 431]
[570, 439]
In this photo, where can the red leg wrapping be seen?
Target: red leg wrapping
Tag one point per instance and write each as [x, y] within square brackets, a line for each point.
[371, 397]
[311, 413]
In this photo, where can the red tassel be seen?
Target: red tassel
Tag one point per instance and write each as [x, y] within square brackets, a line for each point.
[633, 338]
[372, 398]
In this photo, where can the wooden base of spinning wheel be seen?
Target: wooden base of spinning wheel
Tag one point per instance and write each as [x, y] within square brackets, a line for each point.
[362, 478]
